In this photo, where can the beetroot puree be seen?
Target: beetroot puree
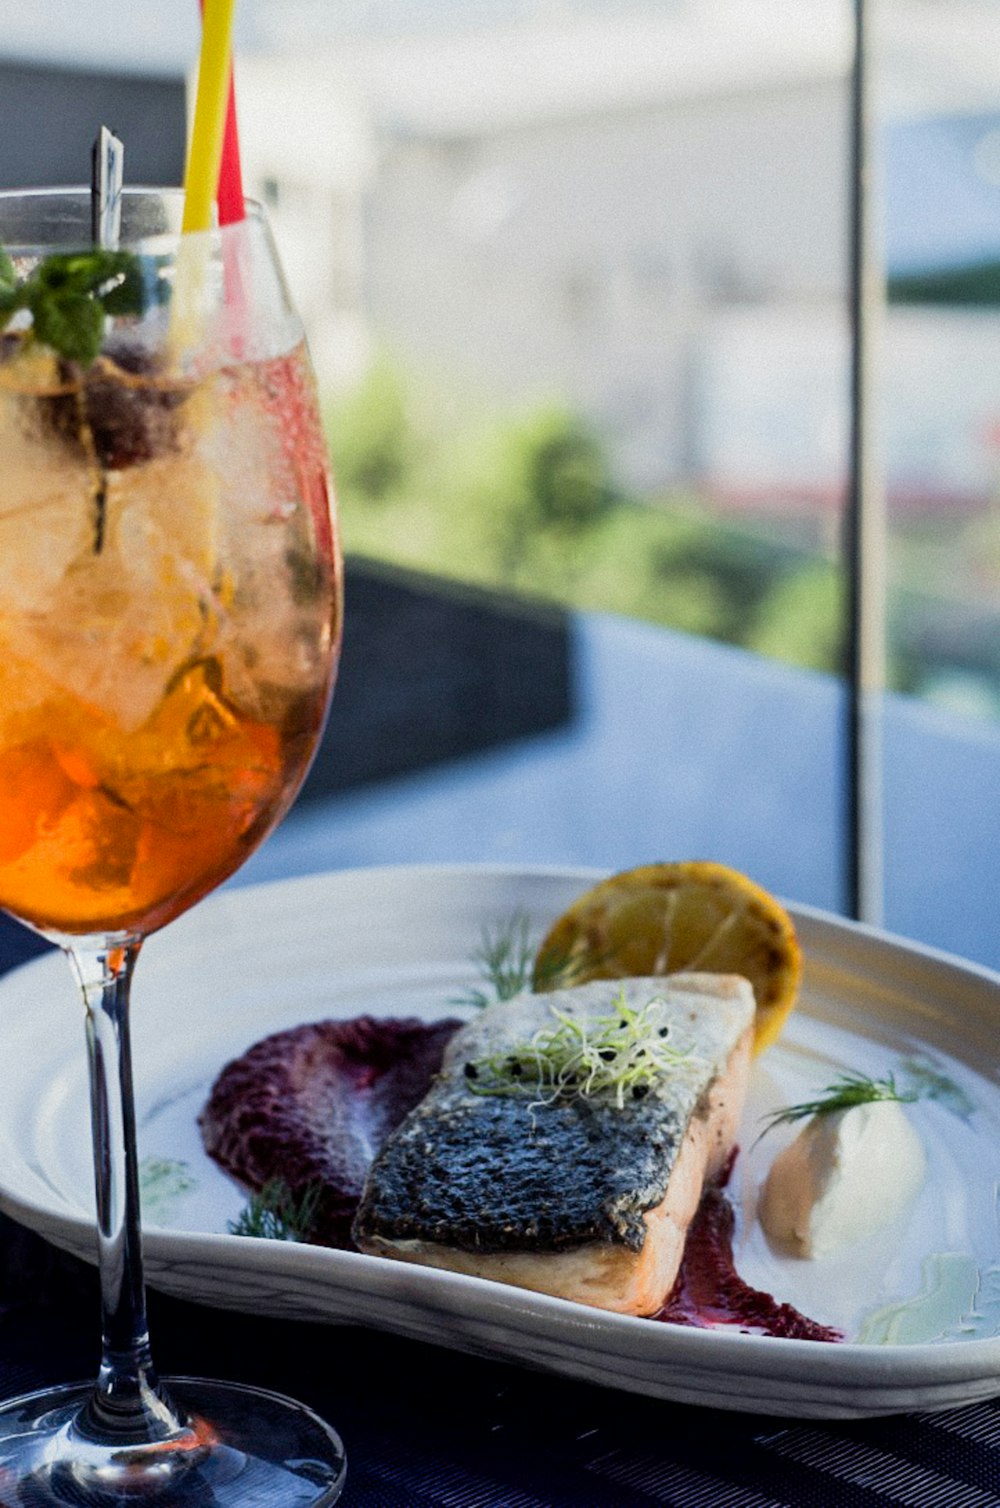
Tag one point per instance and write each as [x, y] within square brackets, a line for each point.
[709, 1293]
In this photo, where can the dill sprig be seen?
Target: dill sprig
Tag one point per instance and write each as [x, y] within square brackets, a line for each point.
[276, 1214]
[555, 969]
[504, 958]
[162, 1182]
[622, 1054]
[930, 1082]
[846, 1091]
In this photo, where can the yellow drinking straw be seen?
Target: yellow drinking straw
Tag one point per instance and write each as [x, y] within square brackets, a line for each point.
[205, 150]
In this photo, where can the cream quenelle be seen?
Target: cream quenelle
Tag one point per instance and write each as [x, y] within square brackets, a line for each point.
[846, 1173]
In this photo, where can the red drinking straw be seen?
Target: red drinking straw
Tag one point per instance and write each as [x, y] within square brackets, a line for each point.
[229, 195]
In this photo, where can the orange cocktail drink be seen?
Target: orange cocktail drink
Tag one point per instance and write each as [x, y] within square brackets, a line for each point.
[168, 625]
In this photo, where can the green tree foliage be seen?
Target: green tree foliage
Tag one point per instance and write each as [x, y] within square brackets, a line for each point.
[800, 619]
[370, 436]
[527, 503]
[563, 475]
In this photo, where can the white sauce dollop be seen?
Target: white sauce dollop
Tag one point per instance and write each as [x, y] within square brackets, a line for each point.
[846, 1173]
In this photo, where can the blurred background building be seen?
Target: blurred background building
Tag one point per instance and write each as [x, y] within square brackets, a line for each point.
[634, 211]
[574, 276]
[639, 208]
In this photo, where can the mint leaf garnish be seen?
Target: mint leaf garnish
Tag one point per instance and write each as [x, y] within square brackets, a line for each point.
[8, 275]
[68, 296]
[94, 271]
[8, 287]
[131, 294]
[72, 325]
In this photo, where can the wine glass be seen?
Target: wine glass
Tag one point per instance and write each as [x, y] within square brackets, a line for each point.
[170, 617]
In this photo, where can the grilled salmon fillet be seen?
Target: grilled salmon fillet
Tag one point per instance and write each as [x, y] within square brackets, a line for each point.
[575, 1197]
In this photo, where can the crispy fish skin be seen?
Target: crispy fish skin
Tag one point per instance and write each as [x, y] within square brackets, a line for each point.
[577, 1198]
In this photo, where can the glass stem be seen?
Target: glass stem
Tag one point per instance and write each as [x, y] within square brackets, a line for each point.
[128, 1404]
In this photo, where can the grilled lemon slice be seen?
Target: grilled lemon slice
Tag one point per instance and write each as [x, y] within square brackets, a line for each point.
[664, 918]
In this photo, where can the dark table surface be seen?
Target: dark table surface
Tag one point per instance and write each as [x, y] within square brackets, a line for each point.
[425, 1426]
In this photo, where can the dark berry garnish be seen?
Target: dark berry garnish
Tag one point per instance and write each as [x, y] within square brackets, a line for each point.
[131, 419]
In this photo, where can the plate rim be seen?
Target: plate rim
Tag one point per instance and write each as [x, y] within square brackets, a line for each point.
[896, 1367]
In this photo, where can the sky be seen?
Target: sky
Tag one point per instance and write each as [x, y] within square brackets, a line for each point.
[152, 36]
[161, 36]
[947, 63]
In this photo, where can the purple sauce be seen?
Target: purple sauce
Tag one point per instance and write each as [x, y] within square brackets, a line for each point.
[709, 1293]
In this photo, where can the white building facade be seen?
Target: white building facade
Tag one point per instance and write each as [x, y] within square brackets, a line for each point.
[641, 216]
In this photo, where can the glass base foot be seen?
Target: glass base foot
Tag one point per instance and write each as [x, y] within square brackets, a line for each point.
[244, 1448]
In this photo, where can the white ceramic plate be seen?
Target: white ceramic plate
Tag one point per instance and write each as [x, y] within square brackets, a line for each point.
[919, 1301]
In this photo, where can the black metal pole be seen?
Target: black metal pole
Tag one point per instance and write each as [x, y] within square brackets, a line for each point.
[864, 524]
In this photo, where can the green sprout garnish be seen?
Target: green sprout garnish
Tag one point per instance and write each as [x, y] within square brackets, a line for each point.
[69, 295]
[275, 1213]
[504, 958]
[844, 1093]
[622, 1054]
